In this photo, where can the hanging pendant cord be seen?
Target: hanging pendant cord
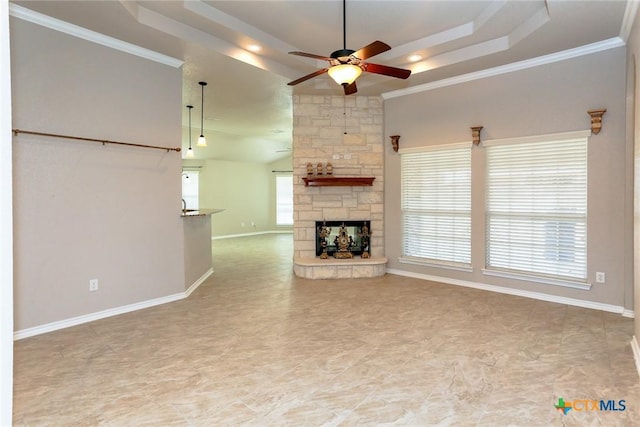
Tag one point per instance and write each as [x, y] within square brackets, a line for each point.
[201, 109]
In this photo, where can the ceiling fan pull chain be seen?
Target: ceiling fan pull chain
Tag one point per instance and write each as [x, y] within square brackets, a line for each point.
[344, 113]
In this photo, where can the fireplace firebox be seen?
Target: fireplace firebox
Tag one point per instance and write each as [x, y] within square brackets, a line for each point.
[328, 235]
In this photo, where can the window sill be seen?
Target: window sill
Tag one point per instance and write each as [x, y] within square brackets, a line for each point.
[545, 280]
[427, 263]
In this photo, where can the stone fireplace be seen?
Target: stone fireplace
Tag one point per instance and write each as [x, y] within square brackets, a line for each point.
[348, 133]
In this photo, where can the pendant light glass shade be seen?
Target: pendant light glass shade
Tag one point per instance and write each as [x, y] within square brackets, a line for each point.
[202, 141]
[189, 153]
[344, 74]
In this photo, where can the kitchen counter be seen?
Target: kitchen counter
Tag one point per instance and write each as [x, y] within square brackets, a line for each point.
[199, 212]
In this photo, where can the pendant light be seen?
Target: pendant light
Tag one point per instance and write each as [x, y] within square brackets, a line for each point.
[202, 141]
[189, 153]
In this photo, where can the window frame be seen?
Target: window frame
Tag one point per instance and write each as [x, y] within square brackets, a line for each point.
[277, 201]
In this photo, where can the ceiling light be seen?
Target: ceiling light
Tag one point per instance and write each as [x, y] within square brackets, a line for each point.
[344, 74]
[202, 141]
[415, 57]
[254, 48]
[189, 152]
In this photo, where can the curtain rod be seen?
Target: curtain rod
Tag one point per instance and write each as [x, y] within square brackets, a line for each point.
[103, 141]
[281, 171]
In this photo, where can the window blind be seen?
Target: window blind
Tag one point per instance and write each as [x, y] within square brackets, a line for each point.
[537, 208]
[436, 205]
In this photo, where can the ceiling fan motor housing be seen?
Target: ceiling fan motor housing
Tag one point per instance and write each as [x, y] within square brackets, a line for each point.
[342, 55]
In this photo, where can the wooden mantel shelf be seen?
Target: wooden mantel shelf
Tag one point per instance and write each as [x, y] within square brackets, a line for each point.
[336, 181]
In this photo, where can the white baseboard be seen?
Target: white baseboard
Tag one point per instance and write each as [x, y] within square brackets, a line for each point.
[510, 291]
[257, 233]
[636, 352]
[61, 324]
[198, 282]
[74, 321]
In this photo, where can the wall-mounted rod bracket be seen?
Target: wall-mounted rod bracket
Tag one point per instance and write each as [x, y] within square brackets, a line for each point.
[596, 120]
[395, 142]
[475, 134]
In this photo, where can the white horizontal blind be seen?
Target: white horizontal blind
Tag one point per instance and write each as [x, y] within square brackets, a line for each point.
[436, 205]
[537, 208]
[284, 200]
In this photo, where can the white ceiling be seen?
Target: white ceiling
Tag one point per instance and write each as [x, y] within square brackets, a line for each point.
[247, 101]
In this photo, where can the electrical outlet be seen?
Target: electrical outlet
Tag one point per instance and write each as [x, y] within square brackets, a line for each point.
[336, 156]
[242, 224]
[253, 224]
[600, 277]
[93, 285]
[347, 156]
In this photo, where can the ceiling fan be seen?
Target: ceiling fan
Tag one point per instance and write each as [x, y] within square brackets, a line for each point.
[346, 65]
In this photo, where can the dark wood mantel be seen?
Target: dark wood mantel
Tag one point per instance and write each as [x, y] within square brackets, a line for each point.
[336, 181]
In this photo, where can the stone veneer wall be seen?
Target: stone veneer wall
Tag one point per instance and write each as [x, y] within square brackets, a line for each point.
[319, 124]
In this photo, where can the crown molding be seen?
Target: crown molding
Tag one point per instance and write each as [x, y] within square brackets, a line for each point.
[630, 13]
[516, 66]
[92, 36]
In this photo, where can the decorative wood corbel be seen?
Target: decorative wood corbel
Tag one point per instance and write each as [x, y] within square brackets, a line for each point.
[596, 120]
[395, 142]
[475, 133]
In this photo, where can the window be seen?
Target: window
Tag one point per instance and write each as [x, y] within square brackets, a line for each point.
[537, 206]
[436, 205]
[190, 189]
[284, 200]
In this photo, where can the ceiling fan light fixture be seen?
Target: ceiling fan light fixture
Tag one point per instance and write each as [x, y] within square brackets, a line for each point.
[345, 74]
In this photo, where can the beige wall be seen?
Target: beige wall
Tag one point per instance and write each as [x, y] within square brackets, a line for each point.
[83, 210]
[242, 190]
[6, 225]
[197, 248]
[541, 100]
[633, 134]
[249, 196]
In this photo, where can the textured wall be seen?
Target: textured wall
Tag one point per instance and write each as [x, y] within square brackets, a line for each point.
[319, 124]
[83, 210]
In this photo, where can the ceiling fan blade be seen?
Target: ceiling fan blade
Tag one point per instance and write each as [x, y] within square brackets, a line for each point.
[350, 89]
[308, 76]
[373, 49]
[310, 55]
[386, 70]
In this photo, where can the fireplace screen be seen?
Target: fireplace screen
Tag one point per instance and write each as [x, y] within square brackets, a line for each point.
[353, 229]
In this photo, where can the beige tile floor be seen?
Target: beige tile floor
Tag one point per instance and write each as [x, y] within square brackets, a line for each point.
[256, 346]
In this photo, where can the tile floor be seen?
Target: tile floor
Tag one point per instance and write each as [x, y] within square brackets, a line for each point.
[256, 346]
